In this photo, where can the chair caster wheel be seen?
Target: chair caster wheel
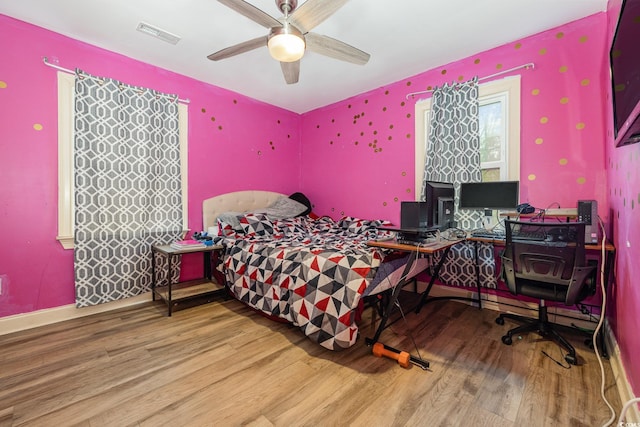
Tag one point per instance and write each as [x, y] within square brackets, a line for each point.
[572, 360]
[499, 320]
[506, 339]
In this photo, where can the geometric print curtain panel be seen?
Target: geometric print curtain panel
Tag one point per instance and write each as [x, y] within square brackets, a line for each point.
[127, 186]
[453, 155]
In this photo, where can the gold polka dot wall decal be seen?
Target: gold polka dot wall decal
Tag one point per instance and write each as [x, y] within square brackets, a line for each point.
[460, 78]
[219, 127]
[531, 177]
[518, 45]
[384, 108]
[544, 120]
[563, 69]
[3, 84]
[564, 100]
[408, 190]
[580, 126]
[408, 83]
[408, 115]
[498, 66]
[539, 141]
[581, 180]
[384, 203]
[443, 72]
[390, 126]
[560, 35]
[204, 110]
[477, 61]
[403, 173]
[386, 92]
[542, 51]
[213, 119]
[535, 92]
[563, 162]
[408, 136]
[235, 101]
[395, 199]
[38, 126]
[583, 39]
[366, 101]
[585, 82]
[402, 104]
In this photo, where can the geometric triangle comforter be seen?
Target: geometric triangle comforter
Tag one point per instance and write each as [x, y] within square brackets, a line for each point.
[310, 272]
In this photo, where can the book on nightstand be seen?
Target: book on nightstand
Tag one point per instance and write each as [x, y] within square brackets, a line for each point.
[187, 244]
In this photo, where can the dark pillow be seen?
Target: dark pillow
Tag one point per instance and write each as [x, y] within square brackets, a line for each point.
[301, 198]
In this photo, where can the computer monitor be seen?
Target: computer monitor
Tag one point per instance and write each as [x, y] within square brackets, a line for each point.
[489, 195]
[439, 197]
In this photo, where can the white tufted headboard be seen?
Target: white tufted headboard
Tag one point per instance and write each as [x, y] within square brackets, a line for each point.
[239, 201]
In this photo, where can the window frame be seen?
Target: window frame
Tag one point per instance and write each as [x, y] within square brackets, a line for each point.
[509, 87]
[66, 88]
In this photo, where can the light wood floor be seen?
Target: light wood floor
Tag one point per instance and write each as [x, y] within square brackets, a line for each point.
[221, 364]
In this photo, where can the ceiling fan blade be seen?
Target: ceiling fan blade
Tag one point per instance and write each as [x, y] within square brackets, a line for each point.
[239, 48]
[335, 49]
[291, 71]
[312, 12]
[252, 12]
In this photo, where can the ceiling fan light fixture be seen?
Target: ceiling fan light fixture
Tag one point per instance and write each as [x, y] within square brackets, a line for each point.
[286, 44]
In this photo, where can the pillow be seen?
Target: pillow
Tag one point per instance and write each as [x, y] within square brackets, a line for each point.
[256, 224]
[301, 198]
[230, 218]
[284, 207]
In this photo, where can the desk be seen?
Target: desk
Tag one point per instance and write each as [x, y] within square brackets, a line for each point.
[414, 252]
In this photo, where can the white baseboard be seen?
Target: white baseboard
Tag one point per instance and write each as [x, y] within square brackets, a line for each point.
[620, 376]
[21, 322]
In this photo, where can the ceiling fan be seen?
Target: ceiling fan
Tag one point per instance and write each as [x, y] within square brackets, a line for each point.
[290, 35]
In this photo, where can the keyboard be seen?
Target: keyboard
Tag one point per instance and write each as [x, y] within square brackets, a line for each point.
[488, 234]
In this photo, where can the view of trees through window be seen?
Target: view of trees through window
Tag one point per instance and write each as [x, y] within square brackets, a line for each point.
[492, 138]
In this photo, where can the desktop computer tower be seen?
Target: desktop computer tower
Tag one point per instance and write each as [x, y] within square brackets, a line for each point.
[588, 213]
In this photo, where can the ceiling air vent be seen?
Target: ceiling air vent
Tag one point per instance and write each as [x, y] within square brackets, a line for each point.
[158, 33]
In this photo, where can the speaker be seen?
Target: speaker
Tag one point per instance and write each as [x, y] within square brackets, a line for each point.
[588, 213]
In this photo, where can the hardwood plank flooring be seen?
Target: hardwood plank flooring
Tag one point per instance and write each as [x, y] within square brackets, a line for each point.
[222, 364]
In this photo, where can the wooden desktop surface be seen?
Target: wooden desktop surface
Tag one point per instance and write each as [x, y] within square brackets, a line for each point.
[425, 248]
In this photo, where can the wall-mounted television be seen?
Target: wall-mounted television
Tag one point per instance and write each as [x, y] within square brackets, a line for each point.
[624, 59]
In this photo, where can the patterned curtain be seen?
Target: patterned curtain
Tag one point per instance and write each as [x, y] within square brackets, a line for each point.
[127, 186]
[453, 146]
[453, 155]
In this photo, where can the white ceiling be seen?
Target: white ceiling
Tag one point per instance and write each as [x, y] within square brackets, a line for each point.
[404, 38]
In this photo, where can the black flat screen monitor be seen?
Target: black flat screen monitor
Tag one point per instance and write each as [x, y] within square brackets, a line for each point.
[489, 195]
[439, 198]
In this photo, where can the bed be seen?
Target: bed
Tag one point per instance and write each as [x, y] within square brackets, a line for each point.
[309, 271]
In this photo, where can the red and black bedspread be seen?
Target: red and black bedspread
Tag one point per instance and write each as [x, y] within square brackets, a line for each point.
[311, 272]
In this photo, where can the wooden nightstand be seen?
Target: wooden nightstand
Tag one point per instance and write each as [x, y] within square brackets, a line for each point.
[172, 293]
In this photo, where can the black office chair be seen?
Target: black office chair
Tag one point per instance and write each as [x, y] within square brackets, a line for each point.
[546, 260]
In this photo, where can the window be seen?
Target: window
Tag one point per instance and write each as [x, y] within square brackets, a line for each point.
[66, 84]
[499, 131]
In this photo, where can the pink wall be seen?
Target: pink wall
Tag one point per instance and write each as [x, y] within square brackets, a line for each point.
[36, 272]
[362, 149]
[623, 174]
